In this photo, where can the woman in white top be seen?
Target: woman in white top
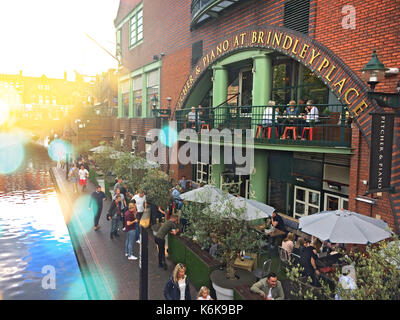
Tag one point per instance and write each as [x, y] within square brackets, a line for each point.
[178, 287]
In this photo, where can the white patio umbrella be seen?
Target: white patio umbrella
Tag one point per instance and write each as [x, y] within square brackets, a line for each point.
[253, 209]
[100, 149]
[214, 196]
[343, 226]
[205, 194]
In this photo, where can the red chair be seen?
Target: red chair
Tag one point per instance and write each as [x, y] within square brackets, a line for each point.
[310, 132]
[266, 131]
[204, 126]
[294, 132]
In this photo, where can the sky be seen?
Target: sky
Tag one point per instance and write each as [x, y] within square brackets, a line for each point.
[49, 37]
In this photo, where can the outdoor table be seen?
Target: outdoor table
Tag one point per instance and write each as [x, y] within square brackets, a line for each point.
[273, 234]
[246, 264]
[328, 260]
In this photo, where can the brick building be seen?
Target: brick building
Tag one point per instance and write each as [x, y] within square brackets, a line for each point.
[233, 57]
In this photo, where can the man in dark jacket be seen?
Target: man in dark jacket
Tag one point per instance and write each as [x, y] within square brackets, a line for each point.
[168, 226]
[114, 214]
[96, 204]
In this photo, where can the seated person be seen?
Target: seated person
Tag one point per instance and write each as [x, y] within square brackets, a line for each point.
[277, 222]
[267, 115]
[310, 118]
[288, 242]
[270, 288]
[312, 112]
[182, 183]
[192, 118]
[291, 110]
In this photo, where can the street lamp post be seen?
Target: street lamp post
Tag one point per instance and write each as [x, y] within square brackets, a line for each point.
[373, 72]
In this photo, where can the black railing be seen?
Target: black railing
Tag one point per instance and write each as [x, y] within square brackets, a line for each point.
[330, 126]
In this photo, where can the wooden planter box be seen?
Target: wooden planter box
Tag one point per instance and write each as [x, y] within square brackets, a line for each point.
[199, 264]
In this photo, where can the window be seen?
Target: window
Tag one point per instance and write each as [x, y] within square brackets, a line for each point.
[296, 15]
[203, 172]
[125, 97]
[197, 52]
[137, 95]
[136, 28]
[306, 202]
[334, 202]
[119, 48]
[152, 90]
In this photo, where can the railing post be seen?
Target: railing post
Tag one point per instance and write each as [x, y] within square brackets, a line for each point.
[342, 125]
[273, 136]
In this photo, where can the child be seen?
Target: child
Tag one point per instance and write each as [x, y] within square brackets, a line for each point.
[204, 294]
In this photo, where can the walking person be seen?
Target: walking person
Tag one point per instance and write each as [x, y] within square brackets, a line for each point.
[83, 175]
[114, 214]
[73, 175]
[96, 203]
[141, 205]
[131, 221]
[123, 206]
[117, 185]
[168, 226]
[178, 286]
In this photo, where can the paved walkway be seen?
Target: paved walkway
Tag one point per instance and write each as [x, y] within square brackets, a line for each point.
[106, 271]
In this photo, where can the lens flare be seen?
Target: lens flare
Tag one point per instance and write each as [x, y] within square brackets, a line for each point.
[11, 153]
[4, 112]
[168, 136]
[58, 149]
[101, 284]
[83, 217]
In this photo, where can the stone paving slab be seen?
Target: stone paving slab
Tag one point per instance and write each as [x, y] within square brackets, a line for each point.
[112, 275]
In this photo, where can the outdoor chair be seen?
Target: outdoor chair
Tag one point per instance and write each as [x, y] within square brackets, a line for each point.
[293, 130]
[284, 257]
[263, 272]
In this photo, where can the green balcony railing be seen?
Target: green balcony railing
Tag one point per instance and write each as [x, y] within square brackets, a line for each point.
[331, 128]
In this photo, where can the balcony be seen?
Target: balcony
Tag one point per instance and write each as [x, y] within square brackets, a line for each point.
[274, 129]
[202, 10]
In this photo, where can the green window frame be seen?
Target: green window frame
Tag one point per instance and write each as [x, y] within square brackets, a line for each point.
[136, 28]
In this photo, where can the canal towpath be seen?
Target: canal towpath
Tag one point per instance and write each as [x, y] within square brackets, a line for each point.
[107, 273]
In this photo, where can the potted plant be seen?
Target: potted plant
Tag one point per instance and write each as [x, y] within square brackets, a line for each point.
[222, 223]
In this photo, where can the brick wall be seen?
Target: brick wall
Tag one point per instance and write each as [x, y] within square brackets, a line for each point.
[377, 27]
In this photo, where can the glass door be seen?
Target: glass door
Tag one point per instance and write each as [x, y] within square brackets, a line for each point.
[306, 202]
[334, 202]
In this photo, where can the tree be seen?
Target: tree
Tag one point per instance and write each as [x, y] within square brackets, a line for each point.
[83, 148]
[221, 222]
[157, 187]
[104, 161]
[377, 275]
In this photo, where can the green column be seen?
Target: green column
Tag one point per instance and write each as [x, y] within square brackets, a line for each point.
[262, 86]
[258, 180]
[220, 93]
[131, 114]
[217, 169]
[120, 102]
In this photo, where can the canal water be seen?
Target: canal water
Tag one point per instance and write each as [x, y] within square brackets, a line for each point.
[37, 260]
